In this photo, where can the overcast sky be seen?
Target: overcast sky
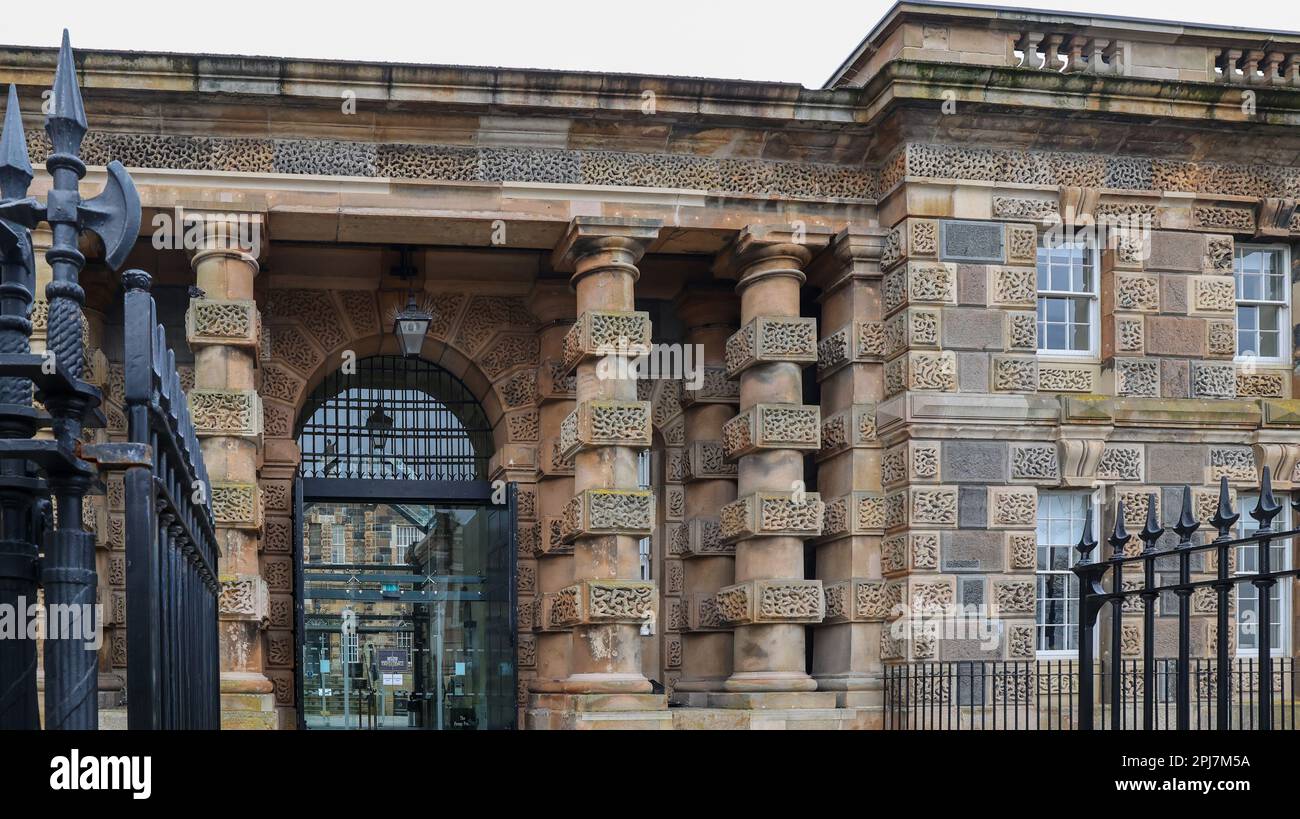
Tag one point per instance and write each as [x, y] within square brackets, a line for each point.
[799, 41]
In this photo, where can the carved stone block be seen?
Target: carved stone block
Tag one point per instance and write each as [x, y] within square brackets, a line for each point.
[707, 460]
[605, 423]
[1212, 295]
[1012, 507]
[598, 333]
[235, 413]
[772, 601]
[1013, 287]
[858, 513]
[1057, 377]
[930, 506]
[1015, 374]
[1213, 379]
[772, 514]
[216, 321]
[772, 426]
[605, 601]
[608, 512]
[704, 538]
[237, 505]
[1137, 377]
[243, 597]
[772, 338]
[715, 388]
[1035, 463]
[919, 283]
[1137, 292]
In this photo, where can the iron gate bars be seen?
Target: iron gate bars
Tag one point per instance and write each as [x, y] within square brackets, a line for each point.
[1093, 594]
[172, 589]
[67, 571]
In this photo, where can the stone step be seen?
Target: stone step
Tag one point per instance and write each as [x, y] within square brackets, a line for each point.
[249, 720]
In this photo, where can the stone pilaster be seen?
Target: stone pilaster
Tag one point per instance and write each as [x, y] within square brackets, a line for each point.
[703, 643]
[552, 302]
[222, 327]
[608, 514]
[846, 655]
[771, 600]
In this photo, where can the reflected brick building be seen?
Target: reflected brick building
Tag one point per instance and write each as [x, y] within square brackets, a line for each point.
[1005, 269]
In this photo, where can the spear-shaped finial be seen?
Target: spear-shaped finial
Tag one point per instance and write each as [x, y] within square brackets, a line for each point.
[1266, 508]
[66, 123]
[1119, 537]
[1187, 523]
[15, 166]
[1086, 541]
[1224, 518]
[1152, 531]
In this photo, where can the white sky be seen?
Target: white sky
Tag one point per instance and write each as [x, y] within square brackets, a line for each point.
[799, 41]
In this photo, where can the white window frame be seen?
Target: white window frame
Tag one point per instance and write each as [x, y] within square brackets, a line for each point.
[338, 544]
[1094, 304]
[351, 649]
[1282, 603]
[1284, 340]
[410, 535]
[1093, 504]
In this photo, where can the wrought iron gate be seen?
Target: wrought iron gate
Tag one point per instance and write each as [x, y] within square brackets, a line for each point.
[172, 656]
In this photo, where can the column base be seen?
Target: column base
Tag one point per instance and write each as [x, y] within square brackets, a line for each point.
[247, 702]
[774, 681]
[598, 711]
[768, 700]
[853, 690]
[601, 683]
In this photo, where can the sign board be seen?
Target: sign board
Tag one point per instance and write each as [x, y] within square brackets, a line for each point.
[393, 660]
[392, 679]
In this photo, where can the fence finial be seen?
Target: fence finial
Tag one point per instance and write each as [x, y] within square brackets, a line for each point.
[15, 165]
[1187, 522]
[1266, 508]
[1119, 536]
[66, 122]
[1086, 541]
[135, 279]
[1152, 531]
[1224, 518]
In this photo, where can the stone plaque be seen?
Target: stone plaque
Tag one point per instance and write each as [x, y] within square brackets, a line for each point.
[970, 242]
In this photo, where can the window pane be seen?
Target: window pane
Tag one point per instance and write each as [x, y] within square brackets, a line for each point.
[1056, 309]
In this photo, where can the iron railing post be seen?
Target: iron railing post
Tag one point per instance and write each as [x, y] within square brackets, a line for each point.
[1090, 575]
[1223, 521]
[1186, 527]
[1150, 533]
[1266, 508]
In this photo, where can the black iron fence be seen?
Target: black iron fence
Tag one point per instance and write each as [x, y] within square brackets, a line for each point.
[172, 655]
[1107, 582]
[1044, 694]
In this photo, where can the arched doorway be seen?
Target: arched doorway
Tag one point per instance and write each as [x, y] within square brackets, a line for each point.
[405, 555]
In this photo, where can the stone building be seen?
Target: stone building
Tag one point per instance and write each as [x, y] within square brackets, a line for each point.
[1004, 269]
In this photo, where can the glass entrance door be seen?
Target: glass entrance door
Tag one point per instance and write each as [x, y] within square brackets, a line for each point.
[407, 615]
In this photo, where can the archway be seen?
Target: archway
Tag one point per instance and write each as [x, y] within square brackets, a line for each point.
[405, 560]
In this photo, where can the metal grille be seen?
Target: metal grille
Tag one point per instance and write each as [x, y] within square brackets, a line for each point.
[394, 418]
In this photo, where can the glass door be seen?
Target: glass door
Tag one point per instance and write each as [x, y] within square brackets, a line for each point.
[407, 615]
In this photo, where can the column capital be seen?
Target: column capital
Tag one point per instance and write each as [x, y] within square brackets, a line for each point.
[765, 250]
[852, 254]
[708, 304]
[596, 242]
[213, 233]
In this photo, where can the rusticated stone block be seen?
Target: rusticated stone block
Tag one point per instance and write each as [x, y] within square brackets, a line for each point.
[772, 426]
[243, 597]
[703, 538]
[772, 514]
[772, 338]
[605, 423]
[235, 413]
[215, 321]
[707, 460]
[598, 333]
[714, 387]
[857, 513]
[237, 505]
[608, 512]
[772, 601]
[605, 601]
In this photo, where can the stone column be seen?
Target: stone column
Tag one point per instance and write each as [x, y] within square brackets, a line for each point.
[846, 649]
[771, 601]
[608, 514]
[548, 645]
[709, 401]
[222, 327]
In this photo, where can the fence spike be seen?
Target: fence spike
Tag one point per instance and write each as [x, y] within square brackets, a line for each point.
[1224, 518]
[1119, 536]
[66, 122]
[1187, 522]
[15, 165]
[1152, 531]
[1266, 508]
[1086, 541]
